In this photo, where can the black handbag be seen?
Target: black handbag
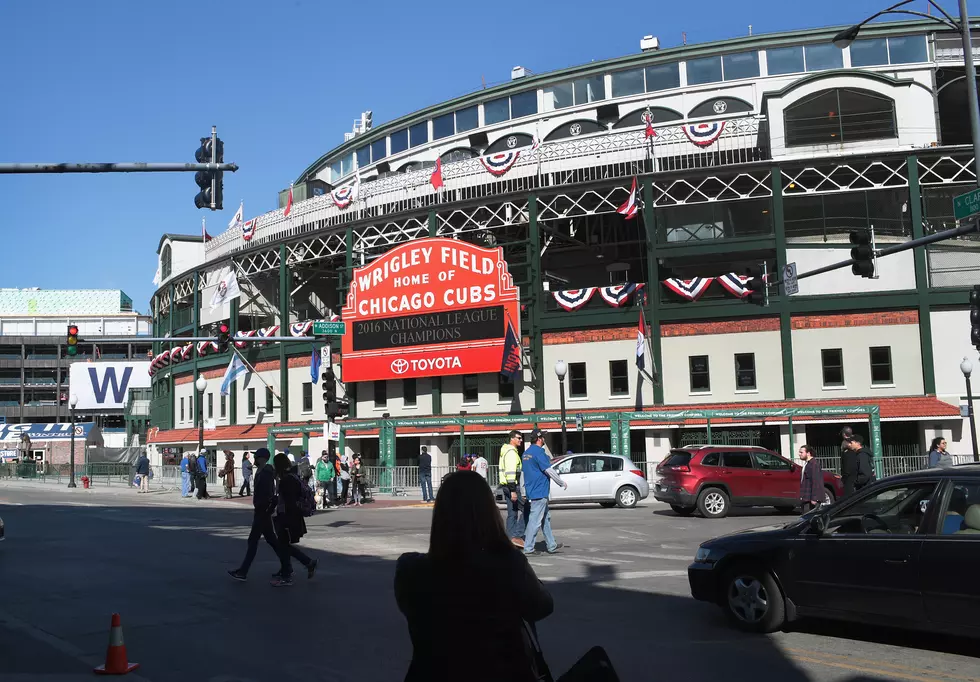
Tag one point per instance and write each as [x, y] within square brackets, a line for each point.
[539, 667]
[594, 666]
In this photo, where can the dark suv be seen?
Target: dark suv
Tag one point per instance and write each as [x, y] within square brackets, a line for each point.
[713, 478]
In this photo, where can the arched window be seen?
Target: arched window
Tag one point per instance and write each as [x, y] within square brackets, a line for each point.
[165, 262]
[840, 115]
[459, 154]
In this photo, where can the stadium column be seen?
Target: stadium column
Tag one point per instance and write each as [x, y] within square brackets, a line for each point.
[921, 280]
[785, 319]
[232, 392]
[283, 330]
[170, 374]
[534, 267]
[653, 288]
[436, 382]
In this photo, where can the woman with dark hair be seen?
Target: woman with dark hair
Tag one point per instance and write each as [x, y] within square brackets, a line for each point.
[937, 453]
[289, 523]
[472, 580]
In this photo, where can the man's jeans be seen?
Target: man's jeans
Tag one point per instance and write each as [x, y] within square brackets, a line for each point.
[426, 482]
[185, 484]
[540, 518]
[515, 522]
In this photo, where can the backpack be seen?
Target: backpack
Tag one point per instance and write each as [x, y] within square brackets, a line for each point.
[304, 468]
[307, 501]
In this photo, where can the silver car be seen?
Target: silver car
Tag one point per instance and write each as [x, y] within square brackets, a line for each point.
[610, 480]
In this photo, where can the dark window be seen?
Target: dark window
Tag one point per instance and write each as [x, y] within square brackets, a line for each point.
[700, 381]
[559, 96]
[363, 156]
[832, 361]
[677, 458]
[712, 459]
[379, 150]
[839, 115]
[706, 70]
[832, 216]
[399, 141]
[627, 83]
[381, 393]
[619, 381]
[471, 388]
[269, 396]
[881, 365]
[467, 119]
[251, 401]
[496, 110]
[210, 405]
[224, 406]
[578, 386]
[869, 52]
[907, 49]
[443, 126]
[181, 409]
[524, 104]
[770, 462]
[741, 65]
[307, 396]
[590, 89]
[418, 134]
[410, 392]
[744, 371]
[505, 388]
[824, 56]
[663, 77]
[166, 262]
[598, 465]
[785, 60]
[459, 154]
[737, 460]
[573, 465]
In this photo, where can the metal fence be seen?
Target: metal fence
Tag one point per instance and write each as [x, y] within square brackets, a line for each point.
[98, 474]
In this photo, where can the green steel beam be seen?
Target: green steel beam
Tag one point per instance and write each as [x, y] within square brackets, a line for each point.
[784, 305]
[536, 301]
[921, 281]
[433, 223]
[284, 326]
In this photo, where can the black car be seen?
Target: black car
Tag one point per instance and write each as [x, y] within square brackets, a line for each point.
[1, 530]
[902, 552]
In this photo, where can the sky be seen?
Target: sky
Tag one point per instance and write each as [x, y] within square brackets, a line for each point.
[124, 81]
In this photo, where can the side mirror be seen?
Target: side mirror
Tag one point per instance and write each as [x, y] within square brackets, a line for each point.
[818, 524]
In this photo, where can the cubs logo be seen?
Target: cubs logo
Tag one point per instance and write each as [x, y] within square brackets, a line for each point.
[575, 129]
[511, 142]
[720, 107]
[399, 366]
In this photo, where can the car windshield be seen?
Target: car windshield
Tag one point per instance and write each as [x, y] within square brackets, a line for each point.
[897, 509]
[677, 458]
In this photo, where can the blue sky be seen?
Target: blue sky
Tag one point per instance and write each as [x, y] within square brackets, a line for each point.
[116, 80]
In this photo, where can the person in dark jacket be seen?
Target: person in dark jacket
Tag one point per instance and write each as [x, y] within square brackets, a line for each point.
[246, 488]
[425, 475]
[202, 476]
[811, 479]
[856, 466]
[264, 501]
[192, 472]
[143, 471]
[289, 523]
[468, 547]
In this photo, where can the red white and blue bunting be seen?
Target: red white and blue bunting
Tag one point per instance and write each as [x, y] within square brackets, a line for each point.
[205, 347]
[300, 328]
[573, 299]
[498, 164]
[617, 295]
[343, 197]
[704, 134]
[734, 284]
[690, 289]
[248, 228]
[243, 344]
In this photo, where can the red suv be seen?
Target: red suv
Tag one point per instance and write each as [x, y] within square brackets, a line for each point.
[713, 478]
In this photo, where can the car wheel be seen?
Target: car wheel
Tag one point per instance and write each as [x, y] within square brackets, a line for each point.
[753, 600]
[828, 495]
[713, 503]
[682, 511]
[627, 497]
[785, 509]
[607, 505]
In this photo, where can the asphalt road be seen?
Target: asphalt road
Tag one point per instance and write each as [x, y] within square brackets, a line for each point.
[71, 558]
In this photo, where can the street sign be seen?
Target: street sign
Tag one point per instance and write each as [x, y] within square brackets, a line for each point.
[790, 283]
[323, 328]
[331, 431]
[579, 423]
[325, 356]
[966, 205]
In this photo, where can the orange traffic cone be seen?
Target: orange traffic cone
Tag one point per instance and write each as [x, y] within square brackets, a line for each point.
[116, 662]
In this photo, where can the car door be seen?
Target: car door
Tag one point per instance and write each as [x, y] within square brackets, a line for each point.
[605, 475]
[950, 556]
[779, 480]
[575, 472]
[736, 472]
[866, 564]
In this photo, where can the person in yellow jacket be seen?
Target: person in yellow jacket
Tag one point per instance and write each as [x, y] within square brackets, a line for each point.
[510, 473]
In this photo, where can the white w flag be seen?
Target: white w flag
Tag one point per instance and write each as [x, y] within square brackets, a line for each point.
[235, 369]
[238, 218]
[157, 278]
[227, 288]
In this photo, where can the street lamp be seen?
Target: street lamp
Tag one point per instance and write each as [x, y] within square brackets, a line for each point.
[847, 36]
[560, 370]
[71, 466]
[967, 368]
[201, 384]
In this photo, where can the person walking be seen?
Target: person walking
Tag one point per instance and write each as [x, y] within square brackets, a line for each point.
[468, 546]
[538, 474]
[143, 471]
[480, 466]
[289, 523]
[192, 471]
[357, 481]
[938, 457]
[227, 473]
[246, 488]
[325, 474]
[856, 466]
[264, 504]
[202, 476]
[811, 479]
[344, 474]
[185, 476]
[425, 475]
[510, 469]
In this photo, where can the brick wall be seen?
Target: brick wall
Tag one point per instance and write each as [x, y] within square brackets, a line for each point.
[759, 324]
[588, 335]
[856, 319]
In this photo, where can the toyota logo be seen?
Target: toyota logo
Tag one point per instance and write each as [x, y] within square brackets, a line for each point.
[399, 366]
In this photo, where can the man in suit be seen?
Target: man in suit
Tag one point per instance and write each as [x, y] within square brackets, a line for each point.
[811, 479]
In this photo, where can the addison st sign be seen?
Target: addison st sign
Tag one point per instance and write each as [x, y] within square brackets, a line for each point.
[430, 307]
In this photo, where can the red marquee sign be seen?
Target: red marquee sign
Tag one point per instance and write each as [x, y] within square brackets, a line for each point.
[430, 307]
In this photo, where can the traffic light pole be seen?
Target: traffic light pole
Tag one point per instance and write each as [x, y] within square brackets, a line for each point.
[214, 162]
[8, 168]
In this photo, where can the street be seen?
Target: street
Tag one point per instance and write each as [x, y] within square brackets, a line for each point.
[72, 557]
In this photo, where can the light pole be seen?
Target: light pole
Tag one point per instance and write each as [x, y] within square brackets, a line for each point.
[967, 368]
[201, 384]
[560, 370]
[847, 36]
[71, 466]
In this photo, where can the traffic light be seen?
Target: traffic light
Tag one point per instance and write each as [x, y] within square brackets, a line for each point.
[329, 388]
[210, 182]
[224, 337]
[758, 284]
[72, 340]
[864, 253]
[975, 316]
[339, 408]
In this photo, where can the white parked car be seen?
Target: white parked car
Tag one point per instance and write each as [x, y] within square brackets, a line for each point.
[610, 480]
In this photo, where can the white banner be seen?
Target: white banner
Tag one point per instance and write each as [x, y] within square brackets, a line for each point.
[104, 385]
[226, 289]
[331, 431]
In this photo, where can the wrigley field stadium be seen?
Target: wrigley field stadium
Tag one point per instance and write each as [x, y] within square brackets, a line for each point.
[592, 241]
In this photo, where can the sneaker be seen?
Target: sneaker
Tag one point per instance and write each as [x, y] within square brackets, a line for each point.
[237, 575]
[517, 542]
[311, 569]
[534, 553]
[282, 581]
[557, 549]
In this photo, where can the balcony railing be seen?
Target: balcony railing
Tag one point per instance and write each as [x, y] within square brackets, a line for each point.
[614, 154]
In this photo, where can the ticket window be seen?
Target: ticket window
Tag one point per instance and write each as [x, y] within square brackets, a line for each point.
[38, 457]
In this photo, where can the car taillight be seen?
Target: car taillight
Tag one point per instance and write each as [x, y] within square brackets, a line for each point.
[681, 468]
[637, 472]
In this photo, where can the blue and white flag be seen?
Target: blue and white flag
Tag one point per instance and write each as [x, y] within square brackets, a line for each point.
[315, 365]
[236, 368]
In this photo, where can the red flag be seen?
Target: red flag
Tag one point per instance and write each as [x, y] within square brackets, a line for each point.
[436, 177]
[650, 132]
[204, 231]
[289, 203]
[629, 207]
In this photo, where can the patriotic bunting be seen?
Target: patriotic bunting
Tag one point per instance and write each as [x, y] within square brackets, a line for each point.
[704, 134]
[242, 344]
[187, 352]
[205, 347]
[176, 355]
[629, 208]
[248, 228]
[342, 197]
[617, 295]
[734, 284]
[573, 299]
[691, 289]
[498, 164]
[300, 328]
